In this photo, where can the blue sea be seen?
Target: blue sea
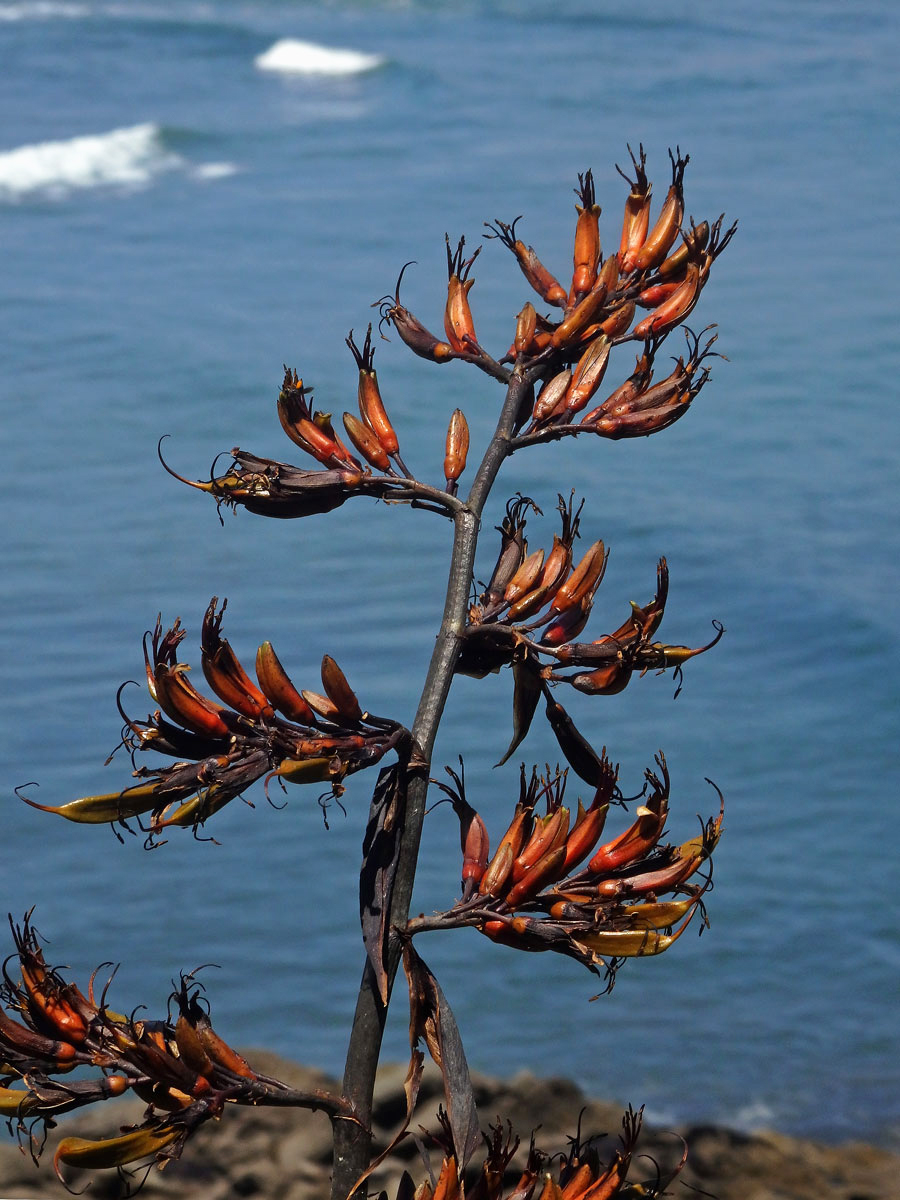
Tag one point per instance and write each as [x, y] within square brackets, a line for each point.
[194, 194]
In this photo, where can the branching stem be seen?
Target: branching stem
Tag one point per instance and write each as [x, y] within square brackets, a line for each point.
[352, 1144]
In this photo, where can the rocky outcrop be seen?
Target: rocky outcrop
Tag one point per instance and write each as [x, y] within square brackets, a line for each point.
[277, 1154]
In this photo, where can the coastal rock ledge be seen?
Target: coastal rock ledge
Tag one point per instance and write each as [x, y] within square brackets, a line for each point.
[276, 1154]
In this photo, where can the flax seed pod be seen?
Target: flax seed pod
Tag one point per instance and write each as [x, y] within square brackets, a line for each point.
[526, 326]
[616, 324]
[411, 330]
[365, 441]
[457, 447]
[550, 395]
[637, 212]
[588, 374]
[586, 256]
[663, 234]
[692, 243]
[371, 406]
[458, 323]
[673, 310]
[546, 285]
[339, 691]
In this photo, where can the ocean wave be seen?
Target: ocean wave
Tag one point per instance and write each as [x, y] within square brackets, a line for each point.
[293, 57]
[124, 158]
[214, 170]
[42, 10]
[48, 10]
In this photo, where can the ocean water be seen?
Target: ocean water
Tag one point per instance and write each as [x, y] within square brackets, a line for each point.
[192, 195]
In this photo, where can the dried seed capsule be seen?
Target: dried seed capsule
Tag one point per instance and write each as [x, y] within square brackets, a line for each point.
[365, 441]
[339, 691]
[276, 684]
[588, 374]
[457, 447]
[458, 323]
[411, 330]
[525, 577]
[371, 406]
[586, 255]
[550, 396]
[637, 212]
[526, 326]
[663, 234]
[673, 310]
[546, 285]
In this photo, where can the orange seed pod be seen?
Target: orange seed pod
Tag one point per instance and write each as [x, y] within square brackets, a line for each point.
[546, 285]
[673, 310]
[371, 407]
[457, 448]
[458, 323]
[637, 212]
[365, 441]
[586, 256]
[663, 234]
[339, 691]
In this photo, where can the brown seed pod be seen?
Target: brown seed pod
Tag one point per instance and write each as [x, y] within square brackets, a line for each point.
[339, 691]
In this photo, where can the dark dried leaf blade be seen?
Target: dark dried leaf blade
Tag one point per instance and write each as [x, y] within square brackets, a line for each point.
[432, 1018]
[526, 694]
[411, 1088]
[580, 755]
[381, 853]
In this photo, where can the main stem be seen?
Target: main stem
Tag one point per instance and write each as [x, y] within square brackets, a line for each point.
[352, 1142]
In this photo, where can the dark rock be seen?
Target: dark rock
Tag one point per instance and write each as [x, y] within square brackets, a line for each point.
[268, 1153]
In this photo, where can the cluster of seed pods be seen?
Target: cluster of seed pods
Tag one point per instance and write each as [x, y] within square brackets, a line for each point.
[660, 267]
[581, 1172]
[253, 729]
[530, 614]
[180, 1067]
[534, 893]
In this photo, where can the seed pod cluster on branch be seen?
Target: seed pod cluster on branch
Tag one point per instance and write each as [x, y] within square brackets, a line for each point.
[270, 729]
[552, 882]
[535, 606]
[585, 1171]
[533, 893]
[662, 269]
[181, 1068]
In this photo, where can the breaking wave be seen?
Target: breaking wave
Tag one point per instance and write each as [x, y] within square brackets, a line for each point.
[124, 158]
[41, 10]
[293, 57]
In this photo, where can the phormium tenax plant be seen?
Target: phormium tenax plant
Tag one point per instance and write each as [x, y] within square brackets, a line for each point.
[593, 880]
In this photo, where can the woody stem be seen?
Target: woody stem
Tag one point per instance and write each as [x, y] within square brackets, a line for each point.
[352, 1143]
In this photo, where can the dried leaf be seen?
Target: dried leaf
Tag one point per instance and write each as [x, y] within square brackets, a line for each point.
[381, 853]
[411, 1087]
[431, 1018]
[580, 755]
[526, 694]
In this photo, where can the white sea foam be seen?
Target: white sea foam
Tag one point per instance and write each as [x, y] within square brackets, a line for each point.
[41, 10]
[123, 157]
[128, 158]
[293, 57]
[214, 170]
[752, 1117]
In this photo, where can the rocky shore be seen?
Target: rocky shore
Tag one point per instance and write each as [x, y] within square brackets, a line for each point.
[273, 1154]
